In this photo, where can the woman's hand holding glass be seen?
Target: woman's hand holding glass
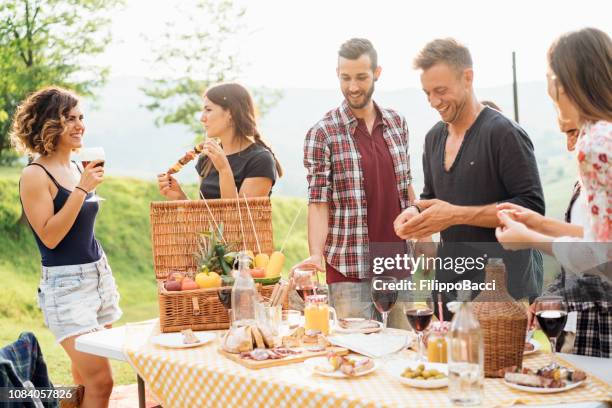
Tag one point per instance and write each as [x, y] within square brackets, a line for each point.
[90, 158]
[93, 175]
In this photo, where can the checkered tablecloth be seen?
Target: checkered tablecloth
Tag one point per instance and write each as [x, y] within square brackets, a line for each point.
[202, 377]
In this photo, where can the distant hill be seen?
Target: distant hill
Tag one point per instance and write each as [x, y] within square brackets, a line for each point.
[136, 147]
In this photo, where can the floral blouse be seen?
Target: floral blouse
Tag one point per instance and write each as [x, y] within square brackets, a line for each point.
[594, 150]
[592, 253]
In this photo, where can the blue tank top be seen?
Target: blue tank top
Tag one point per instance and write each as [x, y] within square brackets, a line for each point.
[79, 246]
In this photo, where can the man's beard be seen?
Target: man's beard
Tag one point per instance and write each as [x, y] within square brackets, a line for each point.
[459, 108]
[366, 100]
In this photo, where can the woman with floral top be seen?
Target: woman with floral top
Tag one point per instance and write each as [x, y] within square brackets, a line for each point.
[580, 85]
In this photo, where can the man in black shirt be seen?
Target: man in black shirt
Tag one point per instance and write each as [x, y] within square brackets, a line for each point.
[473, 159]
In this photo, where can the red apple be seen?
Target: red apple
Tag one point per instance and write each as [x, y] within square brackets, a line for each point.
[188, 284]
[172, 286]
[176, 276]
[258, 272]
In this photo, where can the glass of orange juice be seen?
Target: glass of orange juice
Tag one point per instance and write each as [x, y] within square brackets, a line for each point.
[317, 313]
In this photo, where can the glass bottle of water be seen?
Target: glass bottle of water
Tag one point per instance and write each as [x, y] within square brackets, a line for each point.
[465, 357]
[244, 294]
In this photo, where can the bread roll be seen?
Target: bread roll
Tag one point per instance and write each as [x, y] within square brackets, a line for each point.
[266, 333]
[258, 340]
[247, 341]
[237, 340]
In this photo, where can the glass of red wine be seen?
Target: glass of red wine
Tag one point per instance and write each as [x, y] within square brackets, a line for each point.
[305, 281]
[88, 154]
[419, 315]
[384, 295]
[551, 313]
[224, 294]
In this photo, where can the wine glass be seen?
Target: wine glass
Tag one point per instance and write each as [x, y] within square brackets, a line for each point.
[88, 154]
[551, 313]
[419, 315]
[384, 295]
[305, 281]
[224, 294]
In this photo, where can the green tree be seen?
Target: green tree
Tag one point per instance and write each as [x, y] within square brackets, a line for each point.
[201, 50]
[45, 42]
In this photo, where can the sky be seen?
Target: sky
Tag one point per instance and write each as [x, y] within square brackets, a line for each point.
[293, 44]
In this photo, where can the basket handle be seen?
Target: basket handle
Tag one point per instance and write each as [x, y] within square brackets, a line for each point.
[196, 306]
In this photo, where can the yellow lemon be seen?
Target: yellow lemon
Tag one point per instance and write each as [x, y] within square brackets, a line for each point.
[208, 280]
[261, 260]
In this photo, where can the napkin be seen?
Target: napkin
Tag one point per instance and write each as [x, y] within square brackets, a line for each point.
[372, 345]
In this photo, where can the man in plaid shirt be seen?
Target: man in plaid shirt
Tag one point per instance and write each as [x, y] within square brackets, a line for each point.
[358, 172]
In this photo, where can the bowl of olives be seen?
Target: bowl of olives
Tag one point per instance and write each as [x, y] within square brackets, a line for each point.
[420, 375]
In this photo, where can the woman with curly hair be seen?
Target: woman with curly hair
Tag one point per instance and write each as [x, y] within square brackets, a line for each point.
[77, 292]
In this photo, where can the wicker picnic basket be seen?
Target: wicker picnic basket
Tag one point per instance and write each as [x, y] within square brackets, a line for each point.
[175, 227]
[503, 322]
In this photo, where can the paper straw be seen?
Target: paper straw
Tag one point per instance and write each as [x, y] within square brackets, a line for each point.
[213, 218]
[252, 223]
[240, 218]
[274, 294]
[440, 308]
[291, 228]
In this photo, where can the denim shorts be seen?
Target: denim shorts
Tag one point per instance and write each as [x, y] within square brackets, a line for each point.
[78, 299]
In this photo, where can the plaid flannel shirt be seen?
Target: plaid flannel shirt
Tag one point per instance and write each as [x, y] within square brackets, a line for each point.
[591, 297]
[20, 362]
[335, 177]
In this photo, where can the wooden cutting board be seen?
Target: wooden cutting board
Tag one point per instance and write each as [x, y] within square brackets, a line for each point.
[292, 359]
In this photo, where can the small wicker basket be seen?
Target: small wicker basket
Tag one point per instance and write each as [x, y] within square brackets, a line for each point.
[503, 322]
[175, 227]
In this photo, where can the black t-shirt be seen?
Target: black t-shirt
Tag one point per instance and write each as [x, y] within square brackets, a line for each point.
[495, 163]
[254, 161]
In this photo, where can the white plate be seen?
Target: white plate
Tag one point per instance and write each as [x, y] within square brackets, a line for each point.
[536, 347]
[541, 390]
[339, 329]
[397, 367]
[175, 340]
[312, 363]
